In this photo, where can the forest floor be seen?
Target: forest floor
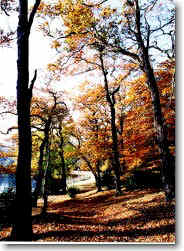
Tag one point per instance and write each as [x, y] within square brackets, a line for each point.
[135, 216]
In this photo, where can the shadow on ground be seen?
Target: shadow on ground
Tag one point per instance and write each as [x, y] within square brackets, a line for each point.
[140, 215]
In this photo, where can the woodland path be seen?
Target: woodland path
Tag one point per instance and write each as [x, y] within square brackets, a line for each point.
[135, 216]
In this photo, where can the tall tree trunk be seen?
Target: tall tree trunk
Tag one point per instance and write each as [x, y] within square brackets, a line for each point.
[40, 178]
[115, 151]
[40, 175]
[91, 169]
[98, 178]
[45, 180]
[166, 158]
[111, 101]
[22, 228]
[63, 166]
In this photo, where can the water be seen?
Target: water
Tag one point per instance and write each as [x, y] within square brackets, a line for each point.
[81, 177]
[8, 181]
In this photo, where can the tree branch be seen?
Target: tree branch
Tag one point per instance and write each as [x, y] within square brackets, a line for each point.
[4, 10]
[127, 53]
[91, 6]
[9, 130]
[72, 33]
[113, 94]
[161, 27]
[32, 15]
[8, 112]
[33, 81]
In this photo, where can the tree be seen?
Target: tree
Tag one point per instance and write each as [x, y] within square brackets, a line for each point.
[22, 227]
[46, 114]
[81, 28]
[133, 37]
[141, 150]
[94, 146]
[144, 58]
[135, 34]
[111, 101]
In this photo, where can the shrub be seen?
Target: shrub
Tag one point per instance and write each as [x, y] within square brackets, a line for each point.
[130, 183]
[9, 194]
[72, 191]
[147, 178]
[107, 179]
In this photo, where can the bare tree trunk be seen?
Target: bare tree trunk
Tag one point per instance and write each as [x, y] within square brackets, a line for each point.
[115, 151]
[22, 227]
[63, 166]
[98, 179]
[111, 101]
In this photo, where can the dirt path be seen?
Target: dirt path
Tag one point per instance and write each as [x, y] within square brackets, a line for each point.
[136, 216]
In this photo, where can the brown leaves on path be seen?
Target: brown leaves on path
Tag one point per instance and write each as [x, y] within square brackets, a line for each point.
[135, 216]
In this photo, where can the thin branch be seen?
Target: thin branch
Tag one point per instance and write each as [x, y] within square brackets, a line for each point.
[105, 80]
[4, 10]
[148, 27]
[161, 50]
[91, 6]
[72, 33]
[115, 90]
[39, 117]
[151, 6]
[32, 15]
[127, 53]
[89, 62]
[8, 112]
[9, 130]
[113, 94]
[161, 27]
[33, 81]
[83, 72]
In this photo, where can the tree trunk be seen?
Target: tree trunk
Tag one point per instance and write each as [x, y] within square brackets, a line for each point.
[22, 228]
[63, 166]
[91, 169]
[40, 175]
[99, 183]
[111, 101]
[166, 158]
[98, 177]
[44, 143]
[63, 172]
[115, 151]
[45, 181]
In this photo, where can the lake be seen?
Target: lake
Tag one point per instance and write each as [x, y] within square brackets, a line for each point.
[8, 181]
